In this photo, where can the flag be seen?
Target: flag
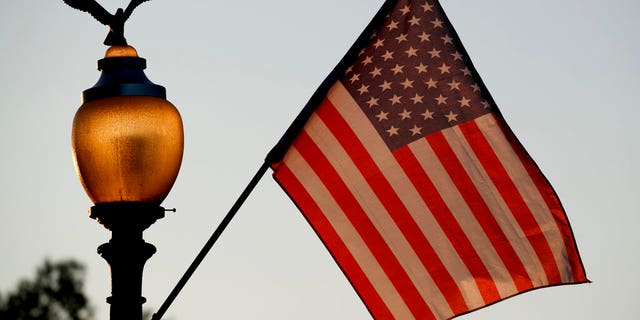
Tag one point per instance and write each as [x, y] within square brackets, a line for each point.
[406, 170]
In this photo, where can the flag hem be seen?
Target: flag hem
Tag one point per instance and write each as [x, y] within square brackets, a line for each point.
[520, 293]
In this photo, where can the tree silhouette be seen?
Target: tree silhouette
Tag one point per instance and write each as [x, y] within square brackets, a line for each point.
[56, 293]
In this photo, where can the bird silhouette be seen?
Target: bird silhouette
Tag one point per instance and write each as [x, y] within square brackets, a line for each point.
[114, 21]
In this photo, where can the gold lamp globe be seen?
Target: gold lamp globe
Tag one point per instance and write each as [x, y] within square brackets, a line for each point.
[127, 139]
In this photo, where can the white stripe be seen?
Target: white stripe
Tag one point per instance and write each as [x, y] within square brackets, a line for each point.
[348, 234]
[406, 192]
[465, 217]
[527, 188]
[378, 215]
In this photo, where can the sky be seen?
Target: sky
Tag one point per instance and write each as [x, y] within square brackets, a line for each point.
[565, 74]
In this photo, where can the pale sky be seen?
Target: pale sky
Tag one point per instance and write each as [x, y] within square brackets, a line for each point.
[565, 74]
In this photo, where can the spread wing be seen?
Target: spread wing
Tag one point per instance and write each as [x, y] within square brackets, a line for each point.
[132, 5]
[93, 8]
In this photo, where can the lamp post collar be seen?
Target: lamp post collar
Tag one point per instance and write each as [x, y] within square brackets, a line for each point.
[123, 75]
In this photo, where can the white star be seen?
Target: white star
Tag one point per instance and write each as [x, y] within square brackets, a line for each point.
[485, 104]
[367, 60]
[397, 69]
[457, 56]
[447, 39]
[464, 102]
[454, 85]
[427, 7]
[424, 37]
[392, 25]
[405, 10]
[393, 131]
[427, 114]
[388, 55]
[434, 53]
[417, 99]
[376, 72]
[444, 68]
[437, 23]
[441, 99]
[386, 85]
[475, 87]
[379, 43]
[412, 52]
[401, 37]
[451, 117]
[421, 68]
[416, 130]
[382, 116]
[466, 71]
[354, 78]
[407, 83]
[349, 69]
[414, 21]
[395, 99]
[405, 114]
[431, 83]
[372, 102]
[363, 89]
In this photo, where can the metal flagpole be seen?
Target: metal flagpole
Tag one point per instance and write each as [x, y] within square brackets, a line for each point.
[212, 240]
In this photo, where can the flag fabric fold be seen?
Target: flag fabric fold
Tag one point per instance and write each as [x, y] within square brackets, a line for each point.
[406, 170]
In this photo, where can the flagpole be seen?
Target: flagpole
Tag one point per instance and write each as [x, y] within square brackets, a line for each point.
[212, 240]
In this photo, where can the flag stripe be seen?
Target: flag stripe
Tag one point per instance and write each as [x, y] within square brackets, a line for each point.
[514, 199]
[577, 272]
[449, 225]
[348, 234]
[367, 289]
[465, 216]
[533, 199]
[368, 199]
[499, 208]
[392, 203]
[404, 188]
[481, 211]
[358, 217]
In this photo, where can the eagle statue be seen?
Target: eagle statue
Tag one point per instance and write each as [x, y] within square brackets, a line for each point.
[114, 21]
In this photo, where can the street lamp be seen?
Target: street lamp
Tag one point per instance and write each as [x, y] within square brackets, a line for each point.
[127, 142]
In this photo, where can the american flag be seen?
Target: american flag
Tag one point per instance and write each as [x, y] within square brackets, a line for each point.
[407, 172]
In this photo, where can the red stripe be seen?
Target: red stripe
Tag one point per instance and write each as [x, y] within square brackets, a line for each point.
[480, 210]
[359, 219]
[552, 201]
[448, 224]
[514, 200]
[392, 203]
[333, 242]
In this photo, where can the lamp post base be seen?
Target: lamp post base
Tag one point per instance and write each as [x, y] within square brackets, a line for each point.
[126, 252]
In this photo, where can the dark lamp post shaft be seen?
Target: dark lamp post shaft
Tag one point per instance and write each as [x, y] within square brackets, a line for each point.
[126, 252]
[126, 256]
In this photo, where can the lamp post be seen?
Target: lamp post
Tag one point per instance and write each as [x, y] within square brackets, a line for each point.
[127, 142]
